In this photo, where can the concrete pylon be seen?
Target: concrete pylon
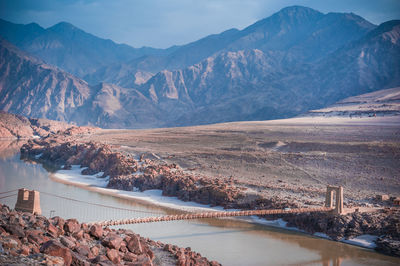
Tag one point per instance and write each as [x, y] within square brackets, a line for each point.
[339, 198]
[28, 201]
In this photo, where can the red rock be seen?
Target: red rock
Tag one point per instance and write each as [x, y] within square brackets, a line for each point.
[10, 243]
[79, 260]
[123, 247]
[3, 232]
[96, 231]
[15, 230]
[58, 221]
[134, 245]
[95, 251]
[71, 226]
[25, 250]
[53, 231]
[84, 227]
[84, 250]
[144, 260]
[55, 248]
[99, 258]
[168, 248]
[112, 240]
[78, 235]
[150, 253]
[128, 256]
[35, 249]
[69, 242]
[113, 255]
[35, 236]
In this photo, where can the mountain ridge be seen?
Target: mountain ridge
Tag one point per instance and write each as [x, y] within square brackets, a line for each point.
[229, 85]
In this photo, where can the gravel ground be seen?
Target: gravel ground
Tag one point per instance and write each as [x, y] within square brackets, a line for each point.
[293, 159]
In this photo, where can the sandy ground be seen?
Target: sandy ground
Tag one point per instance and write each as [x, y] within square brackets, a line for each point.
[293, 158]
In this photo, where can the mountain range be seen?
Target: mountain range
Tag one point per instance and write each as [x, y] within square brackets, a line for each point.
[296, 60]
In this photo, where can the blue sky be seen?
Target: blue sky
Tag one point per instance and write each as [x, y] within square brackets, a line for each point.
[162, 23]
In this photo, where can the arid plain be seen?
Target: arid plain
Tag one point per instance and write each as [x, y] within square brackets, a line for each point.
[292, 159]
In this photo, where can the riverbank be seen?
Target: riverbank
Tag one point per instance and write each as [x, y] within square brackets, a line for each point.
[127, 173]
[32, 239]
[155, 197]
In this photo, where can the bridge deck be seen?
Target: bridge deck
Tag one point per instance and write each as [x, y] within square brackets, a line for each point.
[212, 214]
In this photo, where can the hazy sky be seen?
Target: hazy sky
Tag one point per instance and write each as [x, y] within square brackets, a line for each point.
[162, 23]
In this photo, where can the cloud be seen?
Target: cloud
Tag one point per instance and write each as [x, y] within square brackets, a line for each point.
[161, 23]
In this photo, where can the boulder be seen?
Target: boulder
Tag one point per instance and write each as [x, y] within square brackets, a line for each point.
[128, 256]
[10, 243]
[113, 255]
[69, 242]
[55, 248]
[53, 231]
[84, 251]
[134, 245]
[79, 260]
[71, 226]
[112, 241]
[15, 230]
[25, 250]
[95, 251]
[78, 235]
[144, 260]
[96, 230]
[35, 236]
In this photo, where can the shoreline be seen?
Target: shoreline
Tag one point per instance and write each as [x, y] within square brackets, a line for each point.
[126, 174]
[152, 198]
[363, 241]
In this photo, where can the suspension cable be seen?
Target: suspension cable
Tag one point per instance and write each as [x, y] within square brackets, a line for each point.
[101, 205]
[5, 192]
[9, 196]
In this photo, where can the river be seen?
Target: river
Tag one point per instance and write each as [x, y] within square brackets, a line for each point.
[228, 241]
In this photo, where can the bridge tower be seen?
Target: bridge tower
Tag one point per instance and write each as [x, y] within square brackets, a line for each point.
[339, 198]
[28, 201]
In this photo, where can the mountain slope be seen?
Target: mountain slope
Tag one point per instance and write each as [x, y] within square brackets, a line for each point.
[363, 66]
[32, 88]
[256, 85]
[378, 103]
[69, 47]
[303, 34]
[275, 81]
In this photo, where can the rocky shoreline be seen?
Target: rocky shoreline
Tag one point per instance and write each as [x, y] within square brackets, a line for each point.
[127, 173]
[28, 239]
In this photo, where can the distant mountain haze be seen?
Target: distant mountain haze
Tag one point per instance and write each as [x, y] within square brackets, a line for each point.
[289, 63]
[69, 47]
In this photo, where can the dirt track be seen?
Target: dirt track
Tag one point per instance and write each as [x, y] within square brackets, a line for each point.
[291, 159]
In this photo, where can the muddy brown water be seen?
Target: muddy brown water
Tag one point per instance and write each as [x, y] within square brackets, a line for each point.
[230, 242]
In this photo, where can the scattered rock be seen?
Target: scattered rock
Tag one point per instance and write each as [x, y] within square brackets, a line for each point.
[71, 226]
[54, 248]
[113, 255]
[96, 231]
[112, 241]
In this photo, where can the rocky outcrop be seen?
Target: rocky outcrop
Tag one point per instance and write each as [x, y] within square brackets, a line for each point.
[380, 223]
[16, 126]
[126, 173]
[32, 239]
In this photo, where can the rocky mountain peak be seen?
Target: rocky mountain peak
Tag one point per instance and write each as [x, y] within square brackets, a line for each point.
[388, 30]
[63, 27]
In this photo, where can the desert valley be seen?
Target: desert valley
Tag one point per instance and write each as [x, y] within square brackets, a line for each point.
[142, 155]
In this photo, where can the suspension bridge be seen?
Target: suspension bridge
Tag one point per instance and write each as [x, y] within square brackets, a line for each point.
[29, 201]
